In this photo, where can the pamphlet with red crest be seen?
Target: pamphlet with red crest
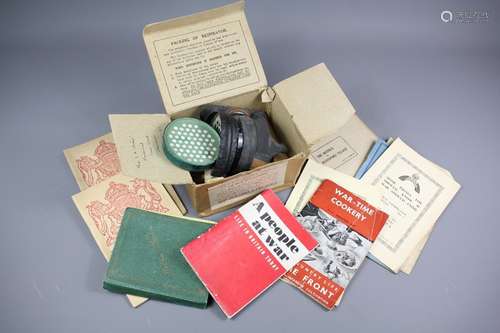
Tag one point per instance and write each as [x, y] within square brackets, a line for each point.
[249, 250]
[345, 227]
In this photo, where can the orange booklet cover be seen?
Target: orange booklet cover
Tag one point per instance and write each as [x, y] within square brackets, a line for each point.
[345, 227]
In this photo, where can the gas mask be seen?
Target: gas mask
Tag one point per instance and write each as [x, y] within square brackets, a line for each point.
[227, 139]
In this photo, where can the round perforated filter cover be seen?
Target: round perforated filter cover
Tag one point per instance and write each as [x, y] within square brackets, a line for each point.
[191, 143]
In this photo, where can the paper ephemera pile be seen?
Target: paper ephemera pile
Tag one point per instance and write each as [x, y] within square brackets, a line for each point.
[233, 141]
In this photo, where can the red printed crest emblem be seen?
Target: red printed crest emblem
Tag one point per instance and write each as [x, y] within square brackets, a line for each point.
[107, 215]
[104, 164]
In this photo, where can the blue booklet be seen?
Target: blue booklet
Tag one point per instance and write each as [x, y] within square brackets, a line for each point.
[377, 150]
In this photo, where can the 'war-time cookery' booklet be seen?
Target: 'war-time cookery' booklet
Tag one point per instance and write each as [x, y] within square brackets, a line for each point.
[345, 227]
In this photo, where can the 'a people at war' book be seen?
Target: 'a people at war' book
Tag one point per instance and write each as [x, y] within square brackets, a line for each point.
[248, 251]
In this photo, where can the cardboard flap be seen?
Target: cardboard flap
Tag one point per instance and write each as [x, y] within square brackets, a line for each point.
[204, 57]
[315, 102]
[139, 142]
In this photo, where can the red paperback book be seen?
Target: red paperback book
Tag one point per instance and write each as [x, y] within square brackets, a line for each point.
[345, 227]
[249, 250]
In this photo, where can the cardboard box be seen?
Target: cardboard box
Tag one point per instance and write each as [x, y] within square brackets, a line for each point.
[210, 57]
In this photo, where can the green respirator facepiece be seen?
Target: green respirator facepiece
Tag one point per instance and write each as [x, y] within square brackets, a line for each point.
[227, 139]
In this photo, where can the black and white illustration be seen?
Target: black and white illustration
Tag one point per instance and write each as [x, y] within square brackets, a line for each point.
[341, 249]
[414, 179]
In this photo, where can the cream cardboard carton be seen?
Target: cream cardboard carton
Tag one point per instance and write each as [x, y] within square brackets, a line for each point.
[210, 57]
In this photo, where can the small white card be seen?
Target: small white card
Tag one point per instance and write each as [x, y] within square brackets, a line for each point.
[139, 141]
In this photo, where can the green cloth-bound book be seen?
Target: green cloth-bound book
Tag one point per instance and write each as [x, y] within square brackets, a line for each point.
[146, 260]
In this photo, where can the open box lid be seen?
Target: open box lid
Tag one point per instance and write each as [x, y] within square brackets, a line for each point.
[314, 102]
[204, 57]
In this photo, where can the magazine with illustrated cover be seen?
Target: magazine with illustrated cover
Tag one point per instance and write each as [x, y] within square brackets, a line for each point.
[345, 227]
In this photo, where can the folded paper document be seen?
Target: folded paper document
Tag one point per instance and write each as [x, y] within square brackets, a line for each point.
[414, 193]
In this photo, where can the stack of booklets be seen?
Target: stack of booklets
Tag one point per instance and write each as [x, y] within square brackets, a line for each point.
[411, 189]
[414, 192]
[106, 193]
[316, 243]
[139, 228]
